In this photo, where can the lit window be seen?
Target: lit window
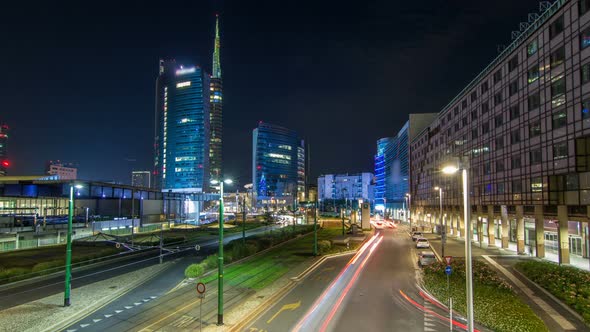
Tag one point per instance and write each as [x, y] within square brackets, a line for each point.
[183, 84]
[532, 48]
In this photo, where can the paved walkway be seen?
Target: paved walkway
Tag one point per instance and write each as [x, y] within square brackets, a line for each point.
[556, 315]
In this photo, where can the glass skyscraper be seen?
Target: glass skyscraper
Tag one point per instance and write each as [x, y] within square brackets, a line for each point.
[216, 98]
[182, 128]
[278, 169]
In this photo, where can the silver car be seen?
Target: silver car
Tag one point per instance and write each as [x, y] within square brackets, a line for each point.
[426, 258]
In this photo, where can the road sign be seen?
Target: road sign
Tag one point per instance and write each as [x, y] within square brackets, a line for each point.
[448, 270]
[197, 247]
[201, 288]
[448, 259]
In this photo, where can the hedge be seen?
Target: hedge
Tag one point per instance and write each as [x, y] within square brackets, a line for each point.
[569, 284]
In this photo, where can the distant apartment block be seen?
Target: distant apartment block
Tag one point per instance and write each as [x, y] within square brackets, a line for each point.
[141, 179]
[64, 171]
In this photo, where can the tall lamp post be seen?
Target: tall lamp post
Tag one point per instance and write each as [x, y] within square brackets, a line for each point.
[220, 253]
[409, 196]
[440, 218]
[68, 282]
[463, 165]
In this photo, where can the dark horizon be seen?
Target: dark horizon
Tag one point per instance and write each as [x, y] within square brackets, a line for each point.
[82, 79]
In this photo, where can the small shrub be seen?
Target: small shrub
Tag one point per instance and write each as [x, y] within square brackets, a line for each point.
[324, 246]
[211, 261]
[194, 271]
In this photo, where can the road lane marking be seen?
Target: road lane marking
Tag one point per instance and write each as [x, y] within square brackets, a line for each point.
[84, 325]
[183, 321]
[118, 311]
[290, 306]
[108, 316]
[97, 320]
[128, 307]
[557, 317]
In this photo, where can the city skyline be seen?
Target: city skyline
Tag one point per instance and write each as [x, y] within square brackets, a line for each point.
[351, 61]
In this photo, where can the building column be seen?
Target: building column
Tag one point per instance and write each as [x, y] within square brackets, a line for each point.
[563, 235]
[491, 227]
[520, 229]
[479, 224]
[540, 231]
[460, 223]
[505, 226]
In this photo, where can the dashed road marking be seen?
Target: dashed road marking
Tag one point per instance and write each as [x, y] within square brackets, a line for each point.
[96, 320]
[118, 311]
[145, 300]
[84, 325]
[128, 307]
[107, 316]
[183, 321]
[137, 303]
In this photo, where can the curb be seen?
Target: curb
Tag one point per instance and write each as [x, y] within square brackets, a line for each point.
[551, 296]
[99, 305]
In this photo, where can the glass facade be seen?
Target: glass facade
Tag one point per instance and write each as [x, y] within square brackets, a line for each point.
[182, 129]
[278, 170]
[216, 99]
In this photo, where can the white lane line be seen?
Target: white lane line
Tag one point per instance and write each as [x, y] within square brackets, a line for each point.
[118, 311]
[137, 303]
[84, 325]
[145, 300]
[153, 297]
[558, 318]
[96, 320]
[107, 316]
[128, 307]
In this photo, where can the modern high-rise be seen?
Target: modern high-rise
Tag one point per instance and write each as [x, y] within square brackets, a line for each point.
[141, 179]
[182, 119]
[522, 127]
[4, 163]
[278, 166]
[392, 166]
[216, 115]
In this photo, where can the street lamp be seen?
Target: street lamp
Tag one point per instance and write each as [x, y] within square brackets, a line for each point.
[220, 254]
[463, 165]
[442, 230]
[68, 282]
[409, 196]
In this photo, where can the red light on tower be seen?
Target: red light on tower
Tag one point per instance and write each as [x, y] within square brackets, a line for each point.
[258, 167]
[5, 163]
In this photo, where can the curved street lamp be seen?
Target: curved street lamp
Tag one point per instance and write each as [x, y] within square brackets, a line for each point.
[452, 168]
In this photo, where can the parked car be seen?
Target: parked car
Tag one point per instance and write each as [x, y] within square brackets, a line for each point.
[416, 235]
[426, 257]
[422, 243]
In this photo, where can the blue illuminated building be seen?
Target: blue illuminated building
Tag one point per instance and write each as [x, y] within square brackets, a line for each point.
[278, 166]
[182, 128]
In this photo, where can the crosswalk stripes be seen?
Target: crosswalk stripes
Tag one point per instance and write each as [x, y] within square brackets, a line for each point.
[428, 318]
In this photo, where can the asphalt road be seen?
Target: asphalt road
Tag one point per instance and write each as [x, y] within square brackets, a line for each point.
[13, 296]
[376, 290]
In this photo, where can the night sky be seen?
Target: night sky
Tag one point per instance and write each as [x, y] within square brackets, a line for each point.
[78, 78]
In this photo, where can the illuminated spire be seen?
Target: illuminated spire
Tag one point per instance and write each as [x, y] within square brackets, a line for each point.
[216, 63]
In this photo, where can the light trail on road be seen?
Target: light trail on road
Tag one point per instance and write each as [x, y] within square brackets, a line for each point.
[322, 312]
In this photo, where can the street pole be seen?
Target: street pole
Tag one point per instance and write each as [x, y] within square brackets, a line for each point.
[443, 231]
[315, 229]
[342, 212]
[468, 268]
[220, 260]
[69, 250]
[161, 242]
[244, 221]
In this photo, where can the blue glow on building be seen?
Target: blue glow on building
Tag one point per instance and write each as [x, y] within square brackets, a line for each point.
[182, 139]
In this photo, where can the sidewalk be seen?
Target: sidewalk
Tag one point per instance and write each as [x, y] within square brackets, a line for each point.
[556, 315]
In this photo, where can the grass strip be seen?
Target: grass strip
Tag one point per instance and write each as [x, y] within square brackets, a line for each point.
[495, 304]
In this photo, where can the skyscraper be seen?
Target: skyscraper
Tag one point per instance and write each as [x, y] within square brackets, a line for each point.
[4, 163]
[181, 145]
[278, 169]
[216, 118]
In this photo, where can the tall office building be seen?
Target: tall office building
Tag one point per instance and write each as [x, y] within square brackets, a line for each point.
[182, 128]
[4, 163]
[278, 166]
[216, 115]
[141, 179]
[345, 186]
[522, 128]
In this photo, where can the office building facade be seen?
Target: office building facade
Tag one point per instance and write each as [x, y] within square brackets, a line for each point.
[523, 125]
[64, 171]
[182, 132]
[141, 179]
[4, 162]
[278, 166]
[216, 115]
[345, 187]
